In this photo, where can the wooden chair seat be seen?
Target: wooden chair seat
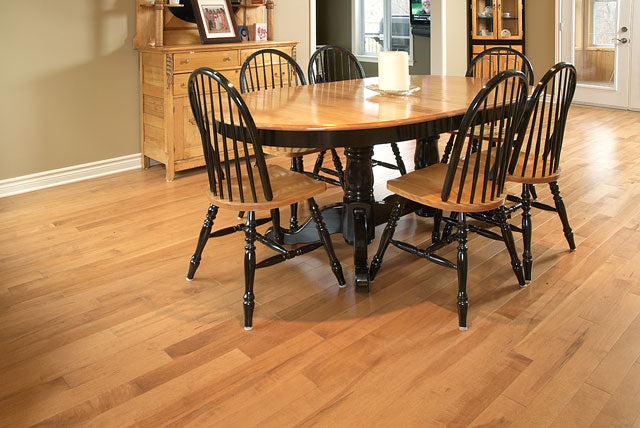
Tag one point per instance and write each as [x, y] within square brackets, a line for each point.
[288, 187]
[291, 152]
[425, 186]
[529, 177]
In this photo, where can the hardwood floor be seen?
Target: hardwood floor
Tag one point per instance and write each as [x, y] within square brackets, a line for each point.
[99, 327]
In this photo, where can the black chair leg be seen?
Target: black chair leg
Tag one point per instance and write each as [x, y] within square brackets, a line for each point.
[437, 219]
[323, 233]
[240, 215]
[532, 190]
[527, 258]
[337, 164]
[396, 152]
[389, 229]
[446, 232]
[277, 230]
[447, 149]
[319, 162]
[297, 165]
[462, 268]
[205, 232]
[507, 236]
[249, 269]
[562, 212]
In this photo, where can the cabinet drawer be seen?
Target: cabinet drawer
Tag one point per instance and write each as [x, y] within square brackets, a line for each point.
[181, 81]
[244, 54]
[183, 62]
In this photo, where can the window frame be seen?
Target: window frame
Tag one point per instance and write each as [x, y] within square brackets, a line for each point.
[357, 31]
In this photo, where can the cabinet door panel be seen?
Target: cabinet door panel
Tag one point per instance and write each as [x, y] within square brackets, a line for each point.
[509, 18]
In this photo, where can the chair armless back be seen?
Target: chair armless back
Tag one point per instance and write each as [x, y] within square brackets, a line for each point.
[494, 60]
[268, 69]
[227, 131]
[478, 167]
[541, 131]
[333, 63]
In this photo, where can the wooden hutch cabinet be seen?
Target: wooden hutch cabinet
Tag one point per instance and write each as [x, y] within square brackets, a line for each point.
[495, 23]
[168, 55]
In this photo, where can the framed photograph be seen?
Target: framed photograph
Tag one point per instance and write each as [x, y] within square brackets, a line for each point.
[216, 21]
[244, 33]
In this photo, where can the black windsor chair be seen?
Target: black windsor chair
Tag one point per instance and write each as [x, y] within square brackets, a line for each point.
[332, 64]
[226, 126]
[536, 157]
[269, 69]
[470, 182]
[494, 60]
[487, 64]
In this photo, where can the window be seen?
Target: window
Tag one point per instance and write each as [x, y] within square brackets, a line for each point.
[603, 19]
[380, 25]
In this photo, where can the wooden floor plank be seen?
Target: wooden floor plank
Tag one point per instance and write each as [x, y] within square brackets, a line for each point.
[98, 326]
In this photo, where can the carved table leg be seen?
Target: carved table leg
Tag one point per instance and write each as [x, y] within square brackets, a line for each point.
[358, 220]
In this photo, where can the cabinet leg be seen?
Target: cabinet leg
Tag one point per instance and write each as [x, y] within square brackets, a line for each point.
[170, 172]
[146, 162]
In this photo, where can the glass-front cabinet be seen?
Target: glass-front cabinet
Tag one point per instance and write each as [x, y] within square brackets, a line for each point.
[495, 23]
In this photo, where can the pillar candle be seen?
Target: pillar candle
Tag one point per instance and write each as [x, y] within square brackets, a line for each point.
[393, 71]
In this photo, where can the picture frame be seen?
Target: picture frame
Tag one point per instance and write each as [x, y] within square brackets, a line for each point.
[216, 21]
[244, 33]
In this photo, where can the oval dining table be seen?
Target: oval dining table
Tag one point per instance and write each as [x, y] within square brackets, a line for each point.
[351, 114]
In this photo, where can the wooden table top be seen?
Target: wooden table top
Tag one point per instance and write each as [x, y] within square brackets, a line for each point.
[349, 105]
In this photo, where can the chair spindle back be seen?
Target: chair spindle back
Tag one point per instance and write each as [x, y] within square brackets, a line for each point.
[333, 63]
[494, 60]
[497, 107]
[541, 130]
[269, 69]
[227, 131]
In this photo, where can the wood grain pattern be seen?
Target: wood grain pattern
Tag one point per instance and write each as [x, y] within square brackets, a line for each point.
[353, 106]
[99, 328]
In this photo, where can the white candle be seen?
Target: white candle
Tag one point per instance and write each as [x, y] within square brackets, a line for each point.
[393, 71]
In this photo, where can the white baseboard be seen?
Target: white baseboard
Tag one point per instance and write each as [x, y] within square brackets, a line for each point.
[56, 177]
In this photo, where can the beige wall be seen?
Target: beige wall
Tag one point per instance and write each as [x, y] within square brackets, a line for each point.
[69, 84]
[540, 35]
[292, 22]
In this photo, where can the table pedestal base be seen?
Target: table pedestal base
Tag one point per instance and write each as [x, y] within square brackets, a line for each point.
[359, 213]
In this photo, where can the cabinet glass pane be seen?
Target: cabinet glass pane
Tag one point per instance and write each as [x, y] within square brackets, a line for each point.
[595, 30]
[509, 18]
[484, 18]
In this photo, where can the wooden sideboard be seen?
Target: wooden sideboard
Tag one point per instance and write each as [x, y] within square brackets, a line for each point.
[169, 134]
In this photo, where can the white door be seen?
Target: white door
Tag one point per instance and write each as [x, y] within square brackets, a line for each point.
[596, 38]
[634, 92]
